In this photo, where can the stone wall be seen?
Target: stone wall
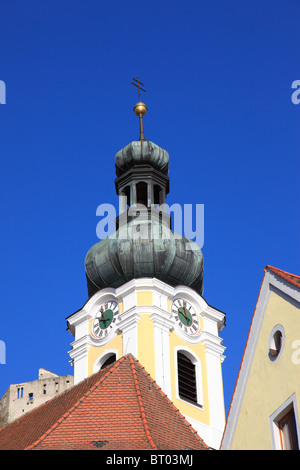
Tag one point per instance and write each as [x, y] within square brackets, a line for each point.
[21, 398]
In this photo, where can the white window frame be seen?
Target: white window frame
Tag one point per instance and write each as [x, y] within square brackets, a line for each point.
[271, 341]
[285, 408]
[198, 370]
[101, 359]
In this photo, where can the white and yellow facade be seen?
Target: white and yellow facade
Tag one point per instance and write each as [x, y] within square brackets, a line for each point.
[268, 386]
[146, 327]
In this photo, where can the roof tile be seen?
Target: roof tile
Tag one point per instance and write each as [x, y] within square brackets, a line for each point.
[292, 278]
[120, 407]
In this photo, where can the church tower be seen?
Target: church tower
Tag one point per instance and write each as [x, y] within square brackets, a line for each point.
[145, 285]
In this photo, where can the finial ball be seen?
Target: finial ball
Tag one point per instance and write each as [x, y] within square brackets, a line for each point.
[140, 109]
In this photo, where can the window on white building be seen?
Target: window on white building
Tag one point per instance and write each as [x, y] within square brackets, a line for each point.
[189, 382]
[187, 385]
[107, 360]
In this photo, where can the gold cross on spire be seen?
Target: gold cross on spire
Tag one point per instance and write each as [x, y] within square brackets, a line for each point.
[140, 108]
[138, 86]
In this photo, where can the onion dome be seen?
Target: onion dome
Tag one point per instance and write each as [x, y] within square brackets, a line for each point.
[141, 152]
[142, 184]
[170, 258]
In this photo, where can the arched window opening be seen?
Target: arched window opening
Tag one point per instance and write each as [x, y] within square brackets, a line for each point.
[141, 193]
[276, 342]
[187, 383]
[109, 359]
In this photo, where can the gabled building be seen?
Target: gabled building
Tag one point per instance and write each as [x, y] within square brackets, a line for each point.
[264, 410]
[118, 408]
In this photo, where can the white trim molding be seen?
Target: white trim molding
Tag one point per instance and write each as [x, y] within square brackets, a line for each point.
[163, 324]
[104, 356]
[198, 370]
[79, 357]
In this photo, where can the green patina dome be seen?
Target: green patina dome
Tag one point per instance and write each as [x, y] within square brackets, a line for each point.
[141, 152]
[171, 259]
[142, 168]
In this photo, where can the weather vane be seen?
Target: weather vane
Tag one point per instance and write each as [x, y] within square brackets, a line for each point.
[140, 108]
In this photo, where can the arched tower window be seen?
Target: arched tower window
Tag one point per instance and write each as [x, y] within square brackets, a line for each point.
[105, 360]
[141, 193]
[189, 378]
[109, 359]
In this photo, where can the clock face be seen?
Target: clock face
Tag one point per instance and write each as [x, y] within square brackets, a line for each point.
[185, 316]
[105, 319]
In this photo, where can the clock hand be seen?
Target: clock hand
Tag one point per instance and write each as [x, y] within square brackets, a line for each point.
[185, 315]
[181, 310]
[103, 317]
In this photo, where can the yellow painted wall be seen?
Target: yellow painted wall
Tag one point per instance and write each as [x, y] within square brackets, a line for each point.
[269, 384]
[144, 298]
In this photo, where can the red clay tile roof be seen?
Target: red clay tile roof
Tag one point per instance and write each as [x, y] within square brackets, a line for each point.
[292, 278]
[120, 407]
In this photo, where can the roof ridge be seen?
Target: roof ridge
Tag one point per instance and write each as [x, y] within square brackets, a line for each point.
[268, 266]
[159, 389]
[79, 401]
[285, 275]
[141, 404]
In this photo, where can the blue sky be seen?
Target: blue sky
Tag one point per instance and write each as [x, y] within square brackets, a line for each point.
[218, 77]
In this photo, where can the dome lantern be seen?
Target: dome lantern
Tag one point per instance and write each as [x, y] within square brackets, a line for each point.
[144, 244]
